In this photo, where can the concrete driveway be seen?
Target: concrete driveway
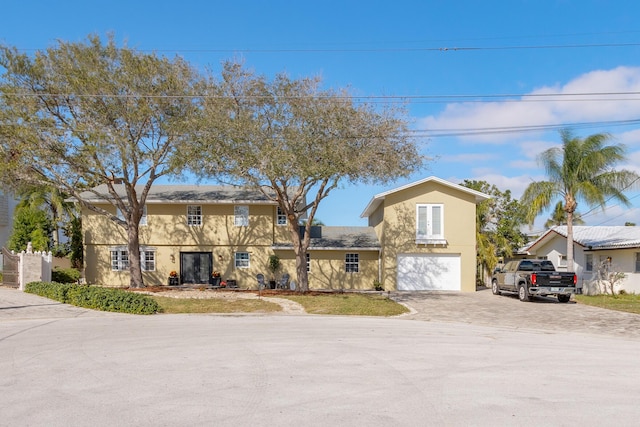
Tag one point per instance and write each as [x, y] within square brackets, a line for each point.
[541, 314]
[65, 366]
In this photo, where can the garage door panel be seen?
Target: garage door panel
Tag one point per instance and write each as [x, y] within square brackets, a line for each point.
[429, 272]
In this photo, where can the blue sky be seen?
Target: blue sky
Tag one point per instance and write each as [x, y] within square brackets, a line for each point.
[460, 65]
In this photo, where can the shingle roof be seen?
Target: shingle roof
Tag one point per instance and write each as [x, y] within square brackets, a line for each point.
[597, 237]
[333, 237]
[379, 198]
[187, 194]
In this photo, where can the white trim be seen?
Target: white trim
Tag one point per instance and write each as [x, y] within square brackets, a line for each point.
[378, 198]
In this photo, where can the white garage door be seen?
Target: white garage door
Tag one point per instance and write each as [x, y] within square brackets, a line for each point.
[429, 272]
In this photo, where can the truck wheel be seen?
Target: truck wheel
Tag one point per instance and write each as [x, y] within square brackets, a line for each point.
[494, 287]
[523, 294]
[564, 298]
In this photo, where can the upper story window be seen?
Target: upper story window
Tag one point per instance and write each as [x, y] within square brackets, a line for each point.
[429, 222]
[281, 217]
[143, 218]
[194, 215]
[351, 263]
[241, 216]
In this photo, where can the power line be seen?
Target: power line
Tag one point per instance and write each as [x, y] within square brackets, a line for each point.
[505, 97]
[386, 50]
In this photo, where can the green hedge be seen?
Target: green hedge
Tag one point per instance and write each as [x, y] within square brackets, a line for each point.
[65, 275]
[94, 297]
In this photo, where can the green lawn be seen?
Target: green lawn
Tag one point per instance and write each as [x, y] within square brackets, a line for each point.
[349, 304]
[335, 304]
[215, 305]
[628, 302]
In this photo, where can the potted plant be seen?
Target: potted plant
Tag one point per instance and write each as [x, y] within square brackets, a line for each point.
[216, 279]
[173, 278]
[274, 265]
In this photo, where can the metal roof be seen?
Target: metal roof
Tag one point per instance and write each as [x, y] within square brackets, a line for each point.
[339, 238]
[596, 237]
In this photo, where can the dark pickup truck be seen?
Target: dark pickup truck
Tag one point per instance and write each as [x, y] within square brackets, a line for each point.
[529, 277]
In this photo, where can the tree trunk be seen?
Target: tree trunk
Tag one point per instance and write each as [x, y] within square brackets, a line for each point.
[570, 266]
[135, 269]
[300, 246]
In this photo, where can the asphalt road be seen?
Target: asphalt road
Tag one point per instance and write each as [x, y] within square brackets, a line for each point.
[65, 366]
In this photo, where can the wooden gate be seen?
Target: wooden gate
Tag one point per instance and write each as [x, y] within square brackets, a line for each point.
[10, 266]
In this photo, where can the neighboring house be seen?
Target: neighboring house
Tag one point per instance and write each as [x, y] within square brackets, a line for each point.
[616, 248]
[7, 208]
[196, 230]
[427, 232]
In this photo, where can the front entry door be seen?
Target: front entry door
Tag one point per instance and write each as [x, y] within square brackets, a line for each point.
[196, 267]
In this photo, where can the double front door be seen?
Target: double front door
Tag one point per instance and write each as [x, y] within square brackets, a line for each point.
[196, 267]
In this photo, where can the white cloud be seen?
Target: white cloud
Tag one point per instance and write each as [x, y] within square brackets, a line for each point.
[560, 108]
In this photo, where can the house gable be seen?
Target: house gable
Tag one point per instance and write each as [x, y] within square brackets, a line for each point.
[446, 211]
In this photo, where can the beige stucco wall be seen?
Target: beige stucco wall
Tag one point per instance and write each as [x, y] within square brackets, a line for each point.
[398, 229]
[168, 233]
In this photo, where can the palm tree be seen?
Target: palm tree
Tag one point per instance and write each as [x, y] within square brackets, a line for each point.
[559, 217]
[580, 169]
[53, 202]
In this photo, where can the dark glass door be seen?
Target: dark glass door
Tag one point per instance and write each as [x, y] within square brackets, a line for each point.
[196, 267]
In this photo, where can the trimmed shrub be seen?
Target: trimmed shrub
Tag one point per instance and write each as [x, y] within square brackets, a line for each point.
[105, 299]
[65, 275]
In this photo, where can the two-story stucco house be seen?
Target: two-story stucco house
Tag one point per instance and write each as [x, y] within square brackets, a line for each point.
[420, 236]
[427, 232]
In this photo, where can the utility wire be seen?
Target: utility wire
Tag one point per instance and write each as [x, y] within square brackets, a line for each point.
[439, 98]
[389, 49]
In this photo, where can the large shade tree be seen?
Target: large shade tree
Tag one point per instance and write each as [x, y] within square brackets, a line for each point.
[78, 115]
[579, 170]
[296, 143]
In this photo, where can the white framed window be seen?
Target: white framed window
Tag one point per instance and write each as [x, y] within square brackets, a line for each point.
[148, 260]
[194, 215]
[241, 216]
[119, 259]
[562, 260]
[637, 270]
[143, 218]
[429, 222]
[308, 262]
[242, 259]
[281, 217]
[588, 262]
[351, 263]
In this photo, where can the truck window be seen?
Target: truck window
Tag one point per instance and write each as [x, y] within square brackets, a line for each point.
[547, 266]
[526, 266]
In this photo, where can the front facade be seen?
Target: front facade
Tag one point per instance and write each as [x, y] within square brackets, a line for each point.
[420, 237]
[195, 231]
[598, 250]
[427, 235]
